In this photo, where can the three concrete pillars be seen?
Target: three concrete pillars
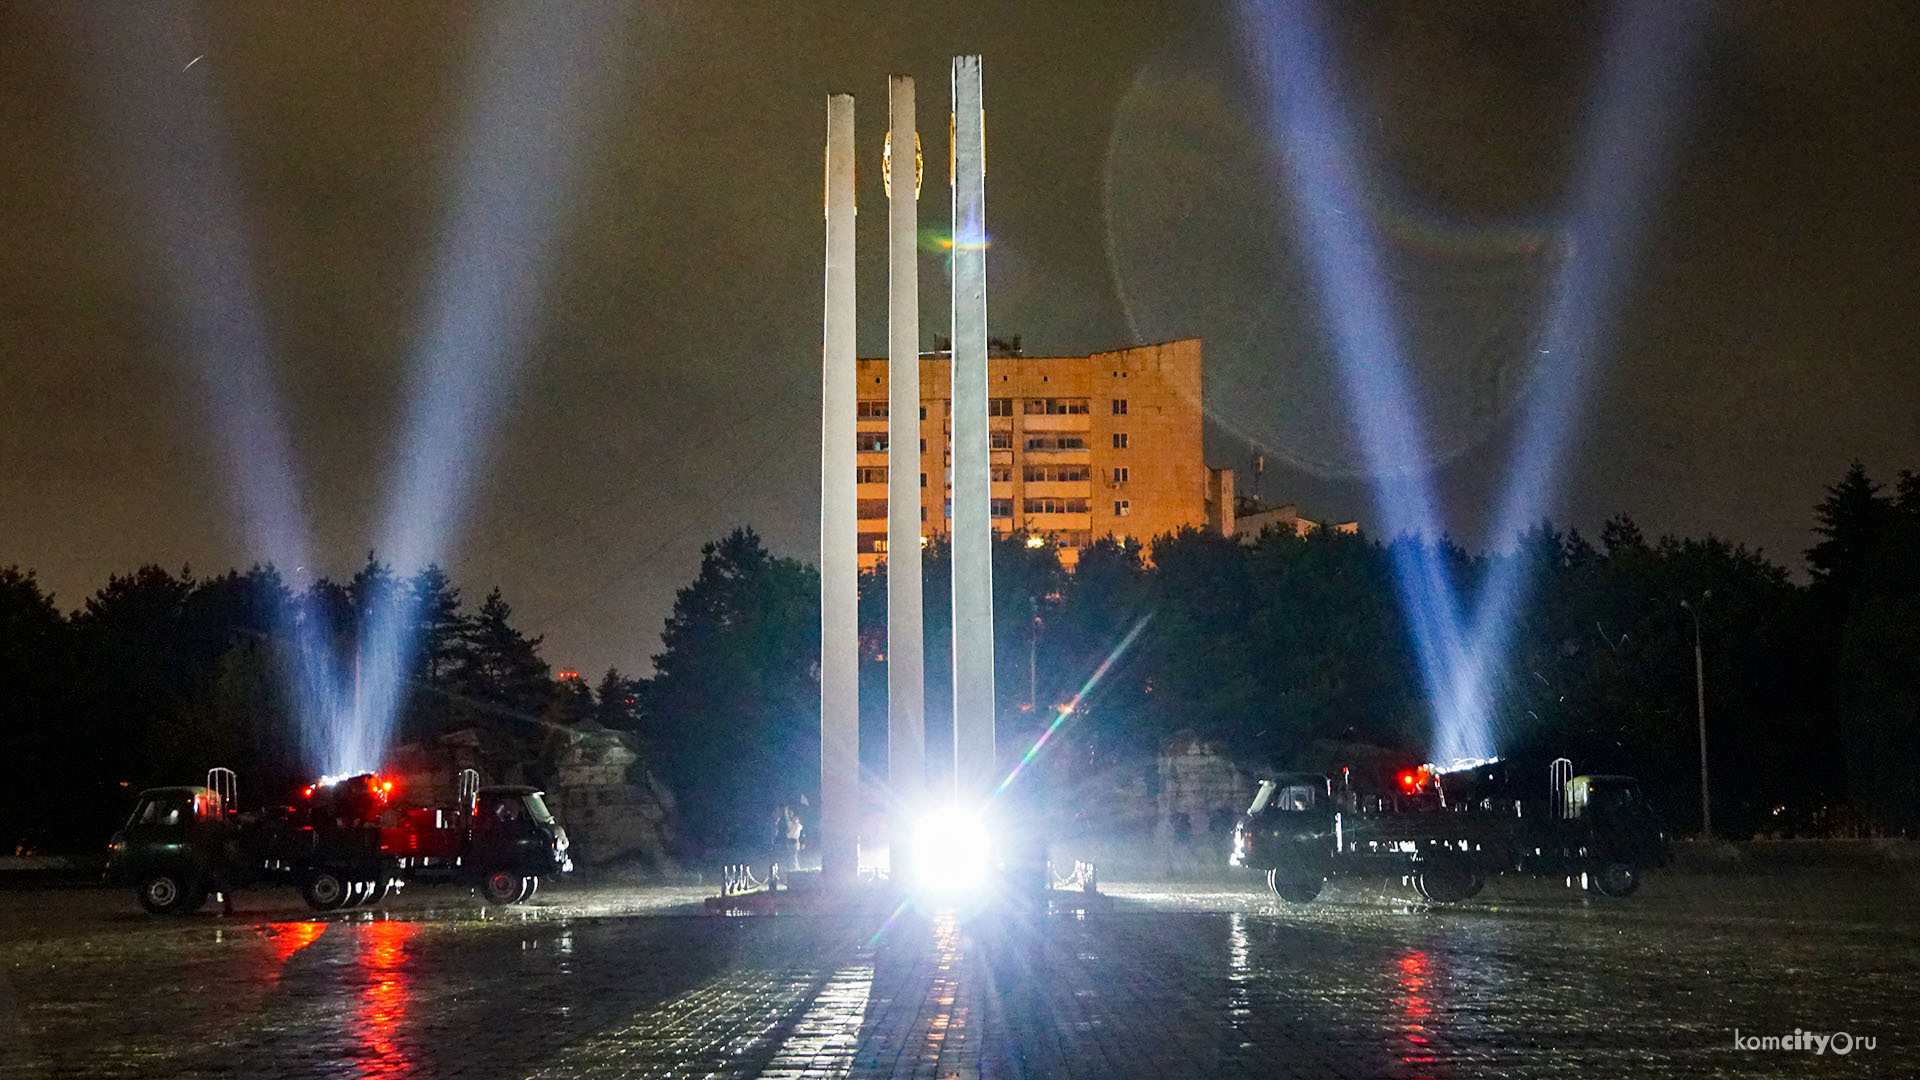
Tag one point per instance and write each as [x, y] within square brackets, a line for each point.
[971, 524]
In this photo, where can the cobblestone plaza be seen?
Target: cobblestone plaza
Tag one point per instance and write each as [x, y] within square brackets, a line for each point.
[1178, 982]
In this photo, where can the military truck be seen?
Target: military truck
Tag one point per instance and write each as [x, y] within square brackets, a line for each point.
[1447, 830]
[344, 843]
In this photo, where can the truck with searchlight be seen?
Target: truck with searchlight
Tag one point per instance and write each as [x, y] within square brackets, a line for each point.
[1446, 830]
[344, 843]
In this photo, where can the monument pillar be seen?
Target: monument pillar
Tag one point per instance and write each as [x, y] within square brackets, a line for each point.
[972, 524]
[906, 660]
[838, 823]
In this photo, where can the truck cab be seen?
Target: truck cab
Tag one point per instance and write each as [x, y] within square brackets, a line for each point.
[172, 848]
[513, 841]
[1288, 832]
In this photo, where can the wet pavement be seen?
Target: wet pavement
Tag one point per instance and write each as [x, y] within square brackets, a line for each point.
[1202, 981]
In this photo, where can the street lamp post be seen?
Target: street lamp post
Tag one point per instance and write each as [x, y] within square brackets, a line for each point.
[1700, 702]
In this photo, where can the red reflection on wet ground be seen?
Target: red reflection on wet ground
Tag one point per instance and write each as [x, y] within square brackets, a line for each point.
[384, 1002]
[285, 939]
[1416, 1008]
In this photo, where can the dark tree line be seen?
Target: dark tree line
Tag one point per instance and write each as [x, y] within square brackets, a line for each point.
[1275, 647]
[1272, 648]
[159, 676]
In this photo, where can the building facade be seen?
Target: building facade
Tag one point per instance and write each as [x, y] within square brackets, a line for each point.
[1082, 446]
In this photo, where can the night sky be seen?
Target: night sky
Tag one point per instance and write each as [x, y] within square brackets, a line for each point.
[666, 385]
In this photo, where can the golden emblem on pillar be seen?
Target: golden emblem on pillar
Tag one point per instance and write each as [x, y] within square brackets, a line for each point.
[886, 164]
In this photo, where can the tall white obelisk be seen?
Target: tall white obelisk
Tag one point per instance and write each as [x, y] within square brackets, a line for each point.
[839, 566]
[906, 659]
[973, 694]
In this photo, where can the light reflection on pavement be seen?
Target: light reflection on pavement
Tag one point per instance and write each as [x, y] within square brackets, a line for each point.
[1209, 980]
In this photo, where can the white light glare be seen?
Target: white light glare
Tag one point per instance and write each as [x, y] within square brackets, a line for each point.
[953, 851]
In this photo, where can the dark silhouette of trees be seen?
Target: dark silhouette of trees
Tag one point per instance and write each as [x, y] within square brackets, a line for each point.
[1273, 648]
[733, 707]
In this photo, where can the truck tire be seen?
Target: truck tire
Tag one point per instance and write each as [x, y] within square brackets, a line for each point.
[502, 887]
[1293, 886]
[378, 890]
[1615, 879]
[1447, 884]
[325, 890]
[529, 888]
[171, 892]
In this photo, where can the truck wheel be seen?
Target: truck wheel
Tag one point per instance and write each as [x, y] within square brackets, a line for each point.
[378, 889]
[1615, 879]
[529, 887]
[325, 890]
[169, 892]
[1447, 884]
[1293, 886]
[501, 887]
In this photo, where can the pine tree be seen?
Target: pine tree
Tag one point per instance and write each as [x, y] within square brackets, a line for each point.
[438, 625]
[1851, 518]
[498, 665]
[617, 702]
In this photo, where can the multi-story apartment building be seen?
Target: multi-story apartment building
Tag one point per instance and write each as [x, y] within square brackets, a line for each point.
[1083, 446]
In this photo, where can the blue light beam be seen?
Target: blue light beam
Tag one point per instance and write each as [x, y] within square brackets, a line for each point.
[535, 77]
[1627, 144]
[165, 127]
[1288, 49]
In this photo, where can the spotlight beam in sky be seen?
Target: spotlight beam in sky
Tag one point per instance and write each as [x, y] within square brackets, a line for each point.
[1288, 49]
[1628, 142]
[535, 77]
[168, 133]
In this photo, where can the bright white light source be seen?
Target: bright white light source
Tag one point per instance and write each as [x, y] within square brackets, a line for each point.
[952, 851]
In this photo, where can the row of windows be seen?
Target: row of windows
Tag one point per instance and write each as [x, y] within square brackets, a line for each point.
[1003, 474]
[876, 509]
[1056, 442]
[875, 442]
[1000, 406]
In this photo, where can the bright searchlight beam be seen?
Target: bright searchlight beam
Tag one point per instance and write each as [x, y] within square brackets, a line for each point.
[536, 80]
[166, 127]
[1288, 49]
[1627, 145]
